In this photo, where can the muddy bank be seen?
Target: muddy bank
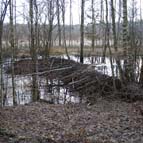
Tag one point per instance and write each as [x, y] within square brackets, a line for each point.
[106, 121]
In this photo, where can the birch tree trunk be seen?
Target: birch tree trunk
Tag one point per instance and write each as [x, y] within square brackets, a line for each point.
[128, 63]
[93, 26]
[82, 31]
[125, 27]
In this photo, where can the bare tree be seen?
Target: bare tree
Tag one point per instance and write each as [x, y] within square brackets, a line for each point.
[107, 43]
[119, 21]
[35, 93]
[12, 43]
[114, 25]
[64, 33]
[4, 5]
[51, 15]
[71, 26]
[115, 44]
[58, 19]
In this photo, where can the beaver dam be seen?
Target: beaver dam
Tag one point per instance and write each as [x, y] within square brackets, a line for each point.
[61, 81]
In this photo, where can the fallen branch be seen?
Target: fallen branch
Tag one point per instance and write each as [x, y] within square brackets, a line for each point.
[52, 70]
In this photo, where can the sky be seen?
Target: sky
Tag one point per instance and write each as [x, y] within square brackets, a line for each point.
[22, 11]
[75, 11]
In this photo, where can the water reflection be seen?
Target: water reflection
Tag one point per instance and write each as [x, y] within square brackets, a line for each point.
[104, 66]
[98, 64]
[54, 92]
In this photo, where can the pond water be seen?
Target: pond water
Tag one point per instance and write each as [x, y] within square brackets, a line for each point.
[105, 67]
[53, 92]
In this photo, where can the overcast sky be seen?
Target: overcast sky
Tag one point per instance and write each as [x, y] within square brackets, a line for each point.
[21, 10]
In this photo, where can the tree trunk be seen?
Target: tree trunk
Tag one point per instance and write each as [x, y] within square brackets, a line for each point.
[12, 43]
[115, 40]
[64, 34]
[1, 66]
[35, 93]
[128, 63]
[107, 34]
[2, 17]
[50, 27]
[70, 30]
[93, 26]
[82, 31]
[114, 25]
[58, 19]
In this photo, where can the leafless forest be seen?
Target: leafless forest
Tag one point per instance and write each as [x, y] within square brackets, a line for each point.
[71, 71]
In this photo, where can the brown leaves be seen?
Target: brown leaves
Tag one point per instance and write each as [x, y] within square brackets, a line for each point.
[111, 122]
